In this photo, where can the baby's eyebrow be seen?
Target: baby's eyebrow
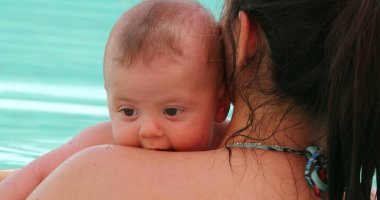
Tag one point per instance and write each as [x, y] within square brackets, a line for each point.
[180, 99]
[124, 99]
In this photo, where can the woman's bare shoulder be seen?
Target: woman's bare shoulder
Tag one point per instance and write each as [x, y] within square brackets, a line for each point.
[114, 172]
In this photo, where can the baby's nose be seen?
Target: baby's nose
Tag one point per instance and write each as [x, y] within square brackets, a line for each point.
[151, 128]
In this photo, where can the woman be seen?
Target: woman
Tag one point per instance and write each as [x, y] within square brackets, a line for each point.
[300, 73]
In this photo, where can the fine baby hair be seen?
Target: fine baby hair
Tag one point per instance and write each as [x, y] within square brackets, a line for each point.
[158, 28]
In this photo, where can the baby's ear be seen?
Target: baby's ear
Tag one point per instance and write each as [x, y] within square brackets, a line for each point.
[223, 106]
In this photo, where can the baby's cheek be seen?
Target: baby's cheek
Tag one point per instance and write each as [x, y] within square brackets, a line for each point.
[198, 139]
[126, 137]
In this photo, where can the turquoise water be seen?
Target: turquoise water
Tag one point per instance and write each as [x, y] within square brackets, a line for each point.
[51, 83]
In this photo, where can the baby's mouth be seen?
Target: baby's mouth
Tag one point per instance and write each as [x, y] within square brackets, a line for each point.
[171, 149]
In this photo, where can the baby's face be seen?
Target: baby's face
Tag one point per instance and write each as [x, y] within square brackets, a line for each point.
[166, 104]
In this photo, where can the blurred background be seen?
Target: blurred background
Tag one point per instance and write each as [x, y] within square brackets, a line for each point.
[51, 83]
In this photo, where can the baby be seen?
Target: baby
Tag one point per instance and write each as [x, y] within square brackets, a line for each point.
[163, 75]
[163, 72]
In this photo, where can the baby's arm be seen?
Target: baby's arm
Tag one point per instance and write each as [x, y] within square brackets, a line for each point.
[20, 184]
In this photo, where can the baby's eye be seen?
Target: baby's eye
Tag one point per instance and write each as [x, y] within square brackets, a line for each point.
[129, 112]
[172, 111]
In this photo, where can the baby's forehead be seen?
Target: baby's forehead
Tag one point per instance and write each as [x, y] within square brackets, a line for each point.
[191, 46]
[190, 70]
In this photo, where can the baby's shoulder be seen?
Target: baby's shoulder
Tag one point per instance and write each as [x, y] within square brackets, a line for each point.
[97, 134]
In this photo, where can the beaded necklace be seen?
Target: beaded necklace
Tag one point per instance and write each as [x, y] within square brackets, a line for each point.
[316, 167]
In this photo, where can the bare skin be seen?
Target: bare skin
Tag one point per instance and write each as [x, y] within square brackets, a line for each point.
[116, 172]
[6, 173]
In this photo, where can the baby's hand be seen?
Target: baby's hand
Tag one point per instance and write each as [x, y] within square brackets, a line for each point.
[6, 173]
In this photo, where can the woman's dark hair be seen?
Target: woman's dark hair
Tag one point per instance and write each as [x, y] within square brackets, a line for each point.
[325, 58]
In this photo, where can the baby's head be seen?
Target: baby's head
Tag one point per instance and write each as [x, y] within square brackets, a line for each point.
[163, 71]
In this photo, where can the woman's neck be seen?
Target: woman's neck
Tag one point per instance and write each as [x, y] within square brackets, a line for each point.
[274, 125]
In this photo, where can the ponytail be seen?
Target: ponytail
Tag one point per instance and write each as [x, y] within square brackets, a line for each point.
[354, 100]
